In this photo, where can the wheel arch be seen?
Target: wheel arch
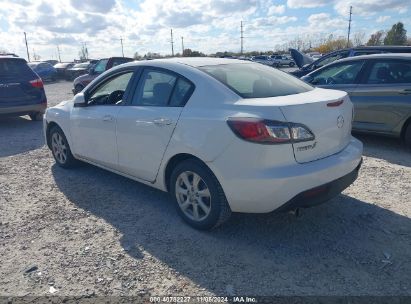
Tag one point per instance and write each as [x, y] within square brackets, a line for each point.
[404, 127]
[173, 162]
[50, 125]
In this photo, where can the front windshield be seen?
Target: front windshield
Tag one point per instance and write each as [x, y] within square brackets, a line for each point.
[253, 80]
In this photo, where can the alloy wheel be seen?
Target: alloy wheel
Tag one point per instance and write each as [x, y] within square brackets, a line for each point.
[59, 147]
[193, 195]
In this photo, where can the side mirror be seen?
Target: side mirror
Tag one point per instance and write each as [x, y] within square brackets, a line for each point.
[79, 101]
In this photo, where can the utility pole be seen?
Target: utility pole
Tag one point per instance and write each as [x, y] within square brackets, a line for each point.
[58, 52]
[27, 47]
[349, 28]
[242, 38]
[182, 46]
[172, 43]
[122, 49]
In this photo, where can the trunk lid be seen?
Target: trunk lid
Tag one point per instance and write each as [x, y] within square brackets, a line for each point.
[327, 113]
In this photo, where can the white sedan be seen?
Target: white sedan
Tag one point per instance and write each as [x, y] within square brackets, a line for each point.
[220, 135]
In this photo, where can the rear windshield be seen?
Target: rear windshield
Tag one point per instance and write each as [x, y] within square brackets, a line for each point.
[252, 80]
[13, 67]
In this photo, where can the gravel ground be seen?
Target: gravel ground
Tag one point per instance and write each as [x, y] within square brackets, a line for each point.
[87, 231]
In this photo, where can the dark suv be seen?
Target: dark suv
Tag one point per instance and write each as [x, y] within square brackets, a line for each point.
[21, 89]
[303, 62]
[101, 66]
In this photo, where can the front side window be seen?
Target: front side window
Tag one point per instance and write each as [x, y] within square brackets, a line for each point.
[111, 91]
[390, 72]
[344, 73]
[250, 80]
[101, 66]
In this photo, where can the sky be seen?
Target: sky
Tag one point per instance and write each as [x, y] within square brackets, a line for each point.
[206, 25]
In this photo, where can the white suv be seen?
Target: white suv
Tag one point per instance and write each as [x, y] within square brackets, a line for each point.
[220, 135]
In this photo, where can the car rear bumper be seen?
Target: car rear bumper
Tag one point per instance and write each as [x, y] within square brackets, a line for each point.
[23, 110]
[269, 189]
[321, 194]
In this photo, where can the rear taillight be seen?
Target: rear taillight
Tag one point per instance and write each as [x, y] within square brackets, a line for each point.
[269, 131]
[37, 83]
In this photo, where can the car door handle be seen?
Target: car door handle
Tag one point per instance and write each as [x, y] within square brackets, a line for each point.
[108, 118]
[162, 121]
[406, 92]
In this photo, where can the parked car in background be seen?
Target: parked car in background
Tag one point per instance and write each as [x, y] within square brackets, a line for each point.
[78, 70]
[380, 88]
[52, 61]
[221, 135]
[21, 89]
[307, 64]
[280, 60]
[62, 69]
[263, 59]
[45, 70]
[100, 66]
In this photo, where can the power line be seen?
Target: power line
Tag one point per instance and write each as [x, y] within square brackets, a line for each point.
[58, 52]
[172, 43]
[349, 28]
[242, 37]
[27, 47]
[182, 46]
[122, 49]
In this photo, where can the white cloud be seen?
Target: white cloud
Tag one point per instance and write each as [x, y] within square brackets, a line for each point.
[370, 7]
[276, 10]
[307, 3]
[382, 19]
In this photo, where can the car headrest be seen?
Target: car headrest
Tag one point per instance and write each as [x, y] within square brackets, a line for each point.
[261, 86]
[383, 73]
[161, 92]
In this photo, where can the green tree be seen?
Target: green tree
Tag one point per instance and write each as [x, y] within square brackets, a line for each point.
[397, 35]
[376, 38]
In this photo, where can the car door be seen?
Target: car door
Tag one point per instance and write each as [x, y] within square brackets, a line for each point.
[383, 97]
[338, 76]
[93, 127]
[145, 126]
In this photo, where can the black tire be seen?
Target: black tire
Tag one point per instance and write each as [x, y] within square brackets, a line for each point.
[70, 161]
[36, 116]
[407, 137]
[78, 88]
[220, 210]
[291, 64]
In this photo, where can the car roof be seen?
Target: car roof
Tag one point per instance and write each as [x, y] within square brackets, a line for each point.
[9, 56]
[378, 56]
[197, 61]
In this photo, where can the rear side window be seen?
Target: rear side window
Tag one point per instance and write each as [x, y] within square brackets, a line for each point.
[161, 88]
[390, 72]
[252, 80]
[13, 67]
[181, 93]
[155, 88]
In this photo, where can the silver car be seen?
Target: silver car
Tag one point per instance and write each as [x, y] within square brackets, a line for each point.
[380, 88]
[263, 59]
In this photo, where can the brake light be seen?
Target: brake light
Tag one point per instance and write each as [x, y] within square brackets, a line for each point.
[268, 131]
[37, 83]
[335, 103]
